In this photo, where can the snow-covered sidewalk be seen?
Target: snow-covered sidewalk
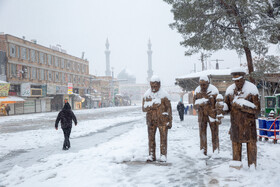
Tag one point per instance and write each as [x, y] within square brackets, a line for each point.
[121, 162]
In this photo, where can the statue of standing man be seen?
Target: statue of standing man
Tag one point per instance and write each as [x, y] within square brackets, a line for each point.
[157, 104]
[242, 99]
[204, 101]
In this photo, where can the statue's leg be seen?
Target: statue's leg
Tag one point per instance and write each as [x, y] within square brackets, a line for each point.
[203, 137]
[252, 153]
[152, 143]
[163, 140]
[236, 151]
[215, 135]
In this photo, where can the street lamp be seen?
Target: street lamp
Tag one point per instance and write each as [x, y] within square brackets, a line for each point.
[112, 86]
[90, 85]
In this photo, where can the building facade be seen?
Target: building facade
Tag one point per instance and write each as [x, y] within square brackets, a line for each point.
[44, 77]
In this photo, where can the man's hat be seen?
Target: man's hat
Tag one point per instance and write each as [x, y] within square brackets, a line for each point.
[238, 71]
[155, 78]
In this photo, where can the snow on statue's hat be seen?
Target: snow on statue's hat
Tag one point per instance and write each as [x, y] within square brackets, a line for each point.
[204, 78]
[155, 78]
[238, 71]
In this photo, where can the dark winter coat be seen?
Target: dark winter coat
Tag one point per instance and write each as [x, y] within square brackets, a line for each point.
[66, 116]
[180, 107]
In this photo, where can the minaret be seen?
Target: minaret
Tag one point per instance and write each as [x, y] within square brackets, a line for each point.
[107, 53]
[150, 71]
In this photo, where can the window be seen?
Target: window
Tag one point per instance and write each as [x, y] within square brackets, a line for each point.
[69, 78]
[42, 74]
[78, 67]
[41, 58]
[23, 53]
[83, 69]
[12, 50]
[62, 78]
[34, 73]
[13, 70]
[37, 57]
[33, 56]
[74, 66]
[62, 63]
[56, 77]
[68, 64]
[49, 60]
[28, 54]
[56, 61]
[18, 51]
[49, 75]
[24, 72]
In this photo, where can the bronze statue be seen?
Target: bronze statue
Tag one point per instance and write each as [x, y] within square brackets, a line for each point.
[159, 115]
[242, 99]
[204, 101]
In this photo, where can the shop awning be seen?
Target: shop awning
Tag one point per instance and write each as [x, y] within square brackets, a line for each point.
[11, 99]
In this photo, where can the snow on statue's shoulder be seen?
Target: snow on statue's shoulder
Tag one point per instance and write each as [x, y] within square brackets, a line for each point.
[250, 88]
[212, 90]
[155, 97]
[230, 90]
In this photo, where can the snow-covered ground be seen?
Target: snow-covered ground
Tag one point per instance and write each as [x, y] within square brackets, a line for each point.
[120, 161]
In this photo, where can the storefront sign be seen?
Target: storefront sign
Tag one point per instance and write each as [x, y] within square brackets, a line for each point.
[61, 90]
[4, 89]
[25, 89]
[70, 88]
[51, 89]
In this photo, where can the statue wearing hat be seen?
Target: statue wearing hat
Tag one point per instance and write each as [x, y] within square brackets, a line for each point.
[204, 101]
[242, 100]
[156, 104]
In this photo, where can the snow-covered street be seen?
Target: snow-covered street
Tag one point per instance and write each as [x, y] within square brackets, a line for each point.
[110, 147]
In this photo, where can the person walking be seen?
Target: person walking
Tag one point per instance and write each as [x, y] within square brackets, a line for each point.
[7, 108]
[65, 117]
[181, 109]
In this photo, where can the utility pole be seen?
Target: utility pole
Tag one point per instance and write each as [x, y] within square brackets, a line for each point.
[203, 58]
[217, 63]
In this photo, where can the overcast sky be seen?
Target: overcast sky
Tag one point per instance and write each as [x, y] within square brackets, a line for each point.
[84, 25]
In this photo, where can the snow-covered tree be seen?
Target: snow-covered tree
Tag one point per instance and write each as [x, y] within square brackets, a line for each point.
[212, 25]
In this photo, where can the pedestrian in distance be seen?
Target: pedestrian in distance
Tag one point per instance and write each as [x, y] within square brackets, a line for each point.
[65, 117]
[181, 109]
[7, 108]
[186, 109]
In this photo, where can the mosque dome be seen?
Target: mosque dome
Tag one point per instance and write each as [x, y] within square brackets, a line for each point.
[127, 76]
